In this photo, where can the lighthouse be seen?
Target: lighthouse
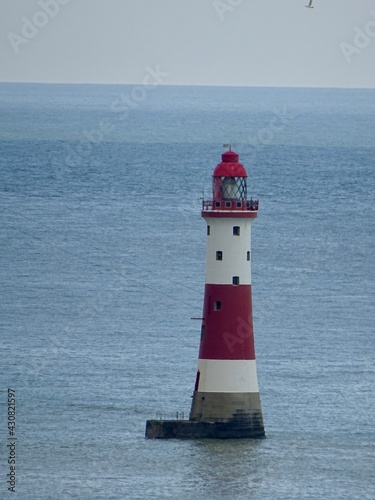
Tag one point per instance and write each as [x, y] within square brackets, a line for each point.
[226, 401]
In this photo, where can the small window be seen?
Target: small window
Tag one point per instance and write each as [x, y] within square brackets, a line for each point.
[217, 305]
[236, 280]
[248, 255]
[203, 330]
[197, 381]
[219, 255]
[239, 204]
[208, 230]
[236, 230]
[228, 204]
[217, 204]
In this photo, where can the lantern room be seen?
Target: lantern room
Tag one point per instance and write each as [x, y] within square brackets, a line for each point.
[229, 187]
[229, 179]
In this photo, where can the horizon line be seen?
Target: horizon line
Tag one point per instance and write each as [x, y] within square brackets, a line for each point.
[187, 85]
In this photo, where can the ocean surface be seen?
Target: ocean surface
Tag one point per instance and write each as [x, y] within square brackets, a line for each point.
[102, 255]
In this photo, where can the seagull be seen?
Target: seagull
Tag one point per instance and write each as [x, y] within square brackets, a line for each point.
[310, 6]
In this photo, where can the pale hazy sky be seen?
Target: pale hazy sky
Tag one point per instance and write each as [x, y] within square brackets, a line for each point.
[192, 42]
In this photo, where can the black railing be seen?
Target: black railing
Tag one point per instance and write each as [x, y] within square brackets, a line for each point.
[179, 415]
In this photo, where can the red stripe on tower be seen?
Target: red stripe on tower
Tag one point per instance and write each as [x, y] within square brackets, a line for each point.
[227, 327]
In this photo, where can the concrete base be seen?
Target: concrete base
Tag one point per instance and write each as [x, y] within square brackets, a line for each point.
[238, 427]
[224, 406]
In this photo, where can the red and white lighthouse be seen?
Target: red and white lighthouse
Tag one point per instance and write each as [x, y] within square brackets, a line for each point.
[226, 402]
[226, 387]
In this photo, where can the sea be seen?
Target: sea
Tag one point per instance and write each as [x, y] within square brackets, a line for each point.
[102, 266]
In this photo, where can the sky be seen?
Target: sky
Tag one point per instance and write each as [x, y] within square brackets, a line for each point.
[277, 43]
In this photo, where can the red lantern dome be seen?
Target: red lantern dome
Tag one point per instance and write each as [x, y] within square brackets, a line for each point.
[230, 166]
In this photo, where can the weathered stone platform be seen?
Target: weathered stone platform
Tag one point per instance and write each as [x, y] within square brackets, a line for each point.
[235, 428]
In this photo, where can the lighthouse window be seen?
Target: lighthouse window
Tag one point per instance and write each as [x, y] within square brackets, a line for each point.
[208, 230]
[219, 255]
[217, 305]
[197, 381]
[203, 329]
[228, 204]
[236, 280]
[236, 230]
[248, 255]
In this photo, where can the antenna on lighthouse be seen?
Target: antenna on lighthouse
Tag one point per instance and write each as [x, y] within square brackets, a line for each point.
[228, 146]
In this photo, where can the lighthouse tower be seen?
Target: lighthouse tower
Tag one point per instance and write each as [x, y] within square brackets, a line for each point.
[226, 387]
[226, 402]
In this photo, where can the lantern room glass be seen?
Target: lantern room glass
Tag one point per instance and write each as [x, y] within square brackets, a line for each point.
[230, 188]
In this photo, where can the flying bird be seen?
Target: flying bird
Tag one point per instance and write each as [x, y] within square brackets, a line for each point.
[310, 6]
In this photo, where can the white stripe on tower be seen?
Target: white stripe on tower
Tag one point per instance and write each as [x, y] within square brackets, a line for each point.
[223, 375]
[234, 248]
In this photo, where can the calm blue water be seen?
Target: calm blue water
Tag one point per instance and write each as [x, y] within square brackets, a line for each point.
[102, 256]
